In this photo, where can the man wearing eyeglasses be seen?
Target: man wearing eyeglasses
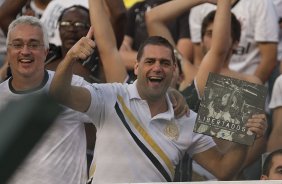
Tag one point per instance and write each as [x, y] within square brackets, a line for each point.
[60, 156]
[74, 23]
[27, 48]
[54, 9]
[138, 138]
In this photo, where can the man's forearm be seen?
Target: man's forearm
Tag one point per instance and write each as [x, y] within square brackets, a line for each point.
[118, 18]
[268, 52]
[61, 83]
[231, 162]
[8, 12]
[113, 67]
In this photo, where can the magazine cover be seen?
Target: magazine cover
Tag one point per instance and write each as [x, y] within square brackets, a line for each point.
[227, 105]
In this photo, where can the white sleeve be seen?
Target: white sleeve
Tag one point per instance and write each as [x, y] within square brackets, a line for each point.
[79, 81]
[103, 99]
[265, 21]
[200, 144]
[195, 25]
[276, 98]
[50, 20]
[278, 6]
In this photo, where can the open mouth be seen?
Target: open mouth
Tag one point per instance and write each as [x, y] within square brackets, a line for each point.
[155, 80]
[25, 60]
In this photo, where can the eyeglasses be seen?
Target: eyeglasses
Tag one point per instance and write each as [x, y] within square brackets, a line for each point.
[77, 25]
[32, 45]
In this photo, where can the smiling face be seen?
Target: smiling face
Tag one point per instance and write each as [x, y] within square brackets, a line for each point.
[154, 71]
[69, 32]
[26, 62]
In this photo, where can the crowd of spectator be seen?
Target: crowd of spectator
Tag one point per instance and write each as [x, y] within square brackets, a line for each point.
[131, 79]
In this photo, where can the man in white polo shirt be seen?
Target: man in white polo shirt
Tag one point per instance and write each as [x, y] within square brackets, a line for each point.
[138, 137]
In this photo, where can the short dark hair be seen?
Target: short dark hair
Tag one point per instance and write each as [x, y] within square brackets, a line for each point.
[155, 40]
[235, 25]
[268, 161]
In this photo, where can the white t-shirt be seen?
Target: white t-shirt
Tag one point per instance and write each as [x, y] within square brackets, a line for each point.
[53, 12]
[276, 98]
[60, 156]
[258, 23]
[36, 10]
[117, 158]
[278, 6]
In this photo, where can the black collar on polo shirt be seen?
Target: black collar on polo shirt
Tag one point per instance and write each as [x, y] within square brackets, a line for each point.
[44, 81]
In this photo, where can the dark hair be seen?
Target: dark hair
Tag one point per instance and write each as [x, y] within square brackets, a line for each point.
[155, 40]
[71, 7]
[268, 161]
[235, 25]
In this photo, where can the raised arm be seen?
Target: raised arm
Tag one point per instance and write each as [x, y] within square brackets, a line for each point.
[77, 98]
[117, 12]
[226, 165]
[127, 53]
[106, 42]
[9, 11]
[159, 16]
[220, 45]
[213, 61]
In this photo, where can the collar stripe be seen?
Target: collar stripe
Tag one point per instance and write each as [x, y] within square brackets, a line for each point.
[145, 135]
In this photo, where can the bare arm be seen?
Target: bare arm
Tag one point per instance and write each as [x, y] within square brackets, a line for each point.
[213, 62]
[117, 12]
[9, 11]
[185, 47]
[220, 45]
[197, 50]
[223, 166]
[197, 54]
[268, 61]
[77, 98]
[275, 138]
[106, 42]
[255, 151]
[226, 166]
[156, 20]
[127, 53]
